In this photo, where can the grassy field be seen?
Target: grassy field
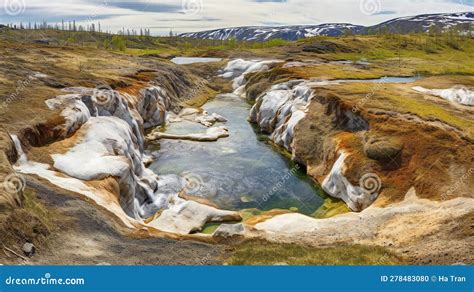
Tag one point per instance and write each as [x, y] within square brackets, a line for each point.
[436, 48]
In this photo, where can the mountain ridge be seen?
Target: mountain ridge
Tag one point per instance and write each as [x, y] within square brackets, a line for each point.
[407, 24]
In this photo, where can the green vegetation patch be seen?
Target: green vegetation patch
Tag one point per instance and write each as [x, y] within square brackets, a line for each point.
[330, 208]
[209, 228]
[33, 223]
[266, 253]
[249, 213]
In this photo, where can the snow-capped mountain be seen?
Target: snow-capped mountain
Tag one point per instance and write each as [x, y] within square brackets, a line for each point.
[422, 23]
[263, 33]
[419, 23]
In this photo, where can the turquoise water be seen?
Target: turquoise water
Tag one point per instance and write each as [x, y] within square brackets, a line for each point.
[241, 171]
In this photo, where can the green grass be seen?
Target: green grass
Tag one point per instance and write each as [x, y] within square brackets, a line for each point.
[389, 98]
[422, 53]
[249, 213]
[32, 223]
[209, 228]
[266, 253]
[161, 51]
[440, 54]
[428, 110]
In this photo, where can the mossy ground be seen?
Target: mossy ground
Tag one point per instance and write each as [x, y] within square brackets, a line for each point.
[33, 223]
[267, 253]
[331, 208]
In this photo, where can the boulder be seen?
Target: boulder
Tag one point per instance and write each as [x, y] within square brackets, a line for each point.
[229, 230]
[385, 150]
[211, 135]
[188, 217]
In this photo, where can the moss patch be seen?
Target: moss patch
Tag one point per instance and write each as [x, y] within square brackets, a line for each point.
[331, 208]
[209, 228]
[266, 253]
[32, 224]
[201, 98]
[249, 213]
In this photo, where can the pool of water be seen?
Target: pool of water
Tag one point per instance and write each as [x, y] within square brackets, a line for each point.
[241, 171]
[192, 60]
[388, 79]
[381, 80]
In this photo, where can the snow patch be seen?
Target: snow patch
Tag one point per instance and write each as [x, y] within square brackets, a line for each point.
[459, 95]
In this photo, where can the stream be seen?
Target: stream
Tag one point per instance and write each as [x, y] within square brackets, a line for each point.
[244, 170]
[238, 172]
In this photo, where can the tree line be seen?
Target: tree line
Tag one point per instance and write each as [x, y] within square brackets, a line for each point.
[72, 26]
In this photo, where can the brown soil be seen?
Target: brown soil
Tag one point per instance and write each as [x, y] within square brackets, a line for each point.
[79, 233]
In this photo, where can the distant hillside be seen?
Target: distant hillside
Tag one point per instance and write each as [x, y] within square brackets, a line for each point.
[260, 33]
[419, 23]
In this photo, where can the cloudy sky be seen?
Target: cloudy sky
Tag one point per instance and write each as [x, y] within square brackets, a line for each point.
[194, 15]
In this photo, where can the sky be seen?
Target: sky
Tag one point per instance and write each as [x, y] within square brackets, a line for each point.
[161, 16]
